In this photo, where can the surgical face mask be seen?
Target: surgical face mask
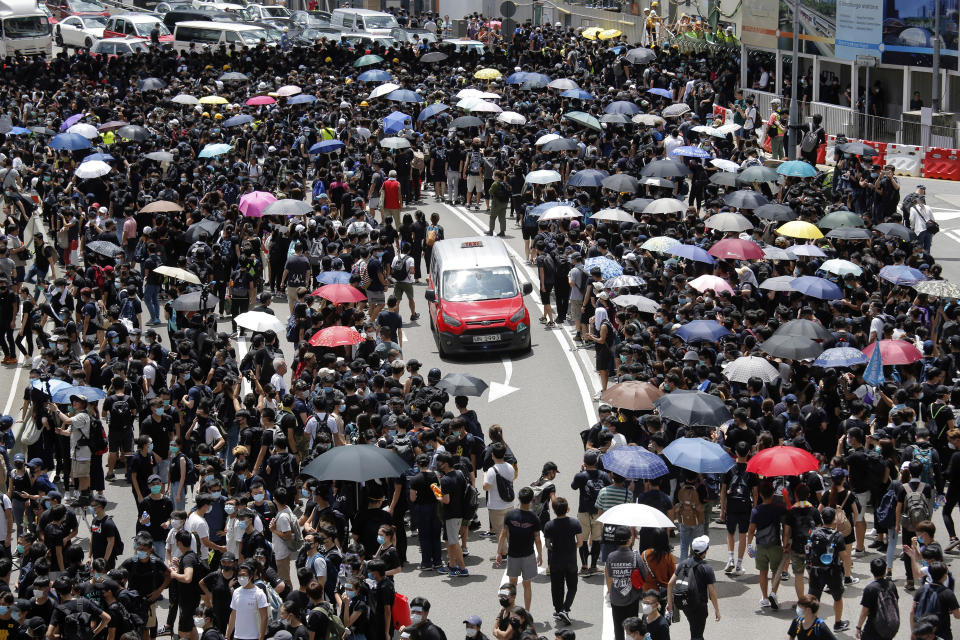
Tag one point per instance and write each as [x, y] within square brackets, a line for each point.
[243, 581]
[229, 508]
[258, 497]
[646, 608]
[156, 489]
[38, 594]
[215, 495]
[46, 504]
[951, 445]
[4, 610]
[209, 478]
[158, 411]
[174, 449]
[416, 618]
[241, 525]
[141, 555]
[305, 493]
[150, 447]
[349, 593]
[20, 549]
[198, 623]
[799, 611]
[91, 511]
[381, 539]
[176, 523]
[472, 632]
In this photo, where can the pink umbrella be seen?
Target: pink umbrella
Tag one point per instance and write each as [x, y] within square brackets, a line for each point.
[256, 101]
[288, 90]
[895, 352]
[252, 204]
[705, 282]
[737, 249]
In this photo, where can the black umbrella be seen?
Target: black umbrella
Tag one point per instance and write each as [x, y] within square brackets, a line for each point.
[776, 212]
[724, 179]
[745, 199]
[192, 301]
[561, 144]
[693, 408]
[433, 56]
[134, 132]
[849, 233]
[621, 183]
[206, 225]
[857, 149]
[791, 347]
[896, 230]
[637, 205]
[152, 84]
[356, 463]
[803, 328]
[104, 248]
[666, 168]
[461, 384]
[465, 122]
[640, 55]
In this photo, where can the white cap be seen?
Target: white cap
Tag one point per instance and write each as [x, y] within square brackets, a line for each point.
[700, 544]
[102, 210]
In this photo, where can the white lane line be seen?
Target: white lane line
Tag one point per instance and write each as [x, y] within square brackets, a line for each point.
[582, 385]
[241, 352]
[954, 235]
[13, 387]
[606, 632]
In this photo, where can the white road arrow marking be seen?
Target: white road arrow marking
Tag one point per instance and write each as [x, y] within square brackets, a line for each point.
[498, 390]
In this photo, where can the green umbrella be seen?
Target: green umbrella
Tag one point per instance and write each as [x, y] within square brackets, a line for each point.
[365, 61]
[584, 120]
[840, 219]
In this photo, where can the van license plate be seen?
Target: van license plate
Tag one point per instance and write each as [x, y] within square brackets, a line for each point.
[487, 338]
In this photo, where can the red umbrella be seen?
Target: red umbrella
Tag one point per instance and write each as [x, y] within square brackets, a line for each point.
[895, 352]
[782, 461]
[737, 249]
[340, 293]
[337, 336]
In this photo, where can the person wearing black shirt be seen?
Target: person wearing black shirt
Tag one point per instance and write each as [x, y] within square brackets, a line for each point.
[185, 572]
[158, 508]
[452, 486]
[423, 507]
[368, 522]
[419, 620]
[206, 622]
[217, 589]
[252, 539]
[520, 533]
[147, 574]
[71, 602]
[870, 598]
[53, 535]
[564, 536]
[105, 539]
[382, 595]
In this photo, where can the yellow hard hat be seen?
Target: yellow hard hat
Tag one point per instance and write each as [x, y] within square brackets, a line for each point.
[328, 59]
[364, 103]
[654, 4]
[205, 114]
[218, 116]
[396, 60]
[348, 81]
[208, 67]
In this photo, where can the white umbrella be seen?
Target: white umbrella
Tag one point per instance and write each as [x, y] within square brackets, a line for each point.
[178, 273]
[476, 93]
[841, 267]
[92, 169]
[653, 181]
[383, 90]
[511, 117]
[771, 252]
[542, 140]
[778, 283]
[363, 132]
[185, 98]
[395, 143]
[88, 131]
[542, 176]
[648, 119]
[725, 165]
[729, 128]
[259, 321]
[746, 367]
[642, 303]
[613, 215]
[665, 205]
[484, 106]
[632, 514]
[563, 84]
[560, 212]
[710, 131]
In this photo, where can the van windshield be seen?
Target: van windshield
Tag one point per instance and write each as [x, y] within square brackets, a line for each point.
[472, 285]
[27, 27]
[380, 22]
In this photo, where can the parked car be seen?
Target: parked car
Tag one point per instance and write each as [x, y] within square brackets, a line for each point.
[63, 8]
[112, 47]
[165, 7]
[311, 19]
[45, 10]
[79, 31]
[221, 5]
[135, 25]
[267, 13]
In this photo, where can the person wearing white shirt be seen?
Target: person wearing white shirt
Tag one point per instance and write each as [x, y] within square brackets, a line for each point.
[281, 526]
[497, 507]
[276, 380]
[248, 609]
[672, 141]
[610, 424]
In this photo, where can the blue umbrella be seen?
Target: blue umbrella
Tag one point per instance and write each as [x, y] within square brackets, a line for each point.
[19, 131]
[432, 110]
[238, 120]
[622, 106]
[103, 157]
[634, 463]
[690, 152]
[62, 396]
[404, 95]
[50, 386]
[692, 252]
[579, 94]
[797, 169]
[212, 150]
[517, 78]
[540, 209]
[302, 98]
[697, 454]
[873, 374]
[327, 146]
[375, 75]
[702, 331]
[587, 178]
[334, 277]
[665, 93]
[535, 81]
[608, 268]
[68, 142]
[396, 122]
[840, 357]
[902, 274]
[816, 288]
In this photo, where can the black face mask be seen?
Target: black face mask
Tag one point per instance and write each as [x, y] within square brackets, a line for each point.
[504, 602]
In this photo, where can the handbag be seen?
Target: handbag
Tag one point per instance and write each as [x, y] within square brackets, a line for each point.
[636, 577]
[932, 227]
[661, 588]
[30, 432]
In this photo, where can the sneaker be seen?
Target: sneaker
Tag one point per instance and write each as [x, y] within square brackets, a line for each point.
[737, 572]
[773, 601]
[551, 325]
[784, 575]
[426, 567]
[730, 567]
[764, 603]
[542, 320]
[851, 580]
[597, 396]
[459, 573]
[443, 570]
[871, 532]
[414, 316]
[841, 625]
[163, 631]
[878, 544]
[584, 571]
[556, 615]
[909, 586]
[487, 534]
[564, 618]
[675, 618]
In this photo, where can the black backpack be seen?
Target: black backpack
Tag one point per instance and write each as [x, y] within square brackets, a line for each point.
[686, 590]
[504, 487]
[76, 621]
[287, 474]
[819, 548]
[737, 489]
[810, 140]
[398, 268]
[134, 603]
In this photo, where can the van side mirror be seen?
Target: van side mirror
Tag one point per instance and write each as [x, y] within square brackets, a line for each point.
[527, 288]
[430, 295]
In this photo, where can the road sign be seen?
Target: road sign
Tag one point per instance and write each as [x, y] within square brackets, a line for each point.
[867, 60]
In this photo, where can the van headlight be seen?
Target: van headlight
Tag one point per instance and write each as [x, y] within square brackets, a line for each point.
[521, 327]
[518, 315]
[450, 320]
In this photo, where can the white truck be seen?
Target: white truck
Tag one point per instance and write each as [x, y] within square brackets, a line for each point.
[24, 29]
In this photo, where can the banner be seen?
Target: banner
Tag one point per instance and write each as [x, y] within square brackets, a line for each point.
[858, 30]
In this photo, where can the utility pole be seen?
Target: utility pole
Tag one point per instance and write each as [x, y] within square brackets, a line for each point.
[935, 101]
[794, 69]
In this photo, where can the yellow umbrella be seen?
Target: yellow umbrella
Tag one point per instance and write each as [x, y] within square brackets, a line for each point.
[800, 229]
[487, 74]
[607, 34]
[590, 33]
[213, 100]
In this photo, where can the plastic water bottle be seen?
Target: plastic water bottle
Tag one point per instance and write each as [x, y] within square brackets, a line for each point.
[751, 551]
[145, 517]
[940, 501]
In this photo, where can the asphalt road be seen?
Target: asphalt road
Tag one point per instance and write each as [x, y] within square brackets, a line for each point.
[546, 404]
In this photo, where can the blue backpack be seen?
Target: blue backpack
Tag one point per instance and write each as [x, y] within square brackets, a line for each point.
[924, 457]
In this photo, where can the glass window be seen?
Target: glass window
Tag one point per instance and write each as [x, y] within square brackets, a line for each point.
[471, 285]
